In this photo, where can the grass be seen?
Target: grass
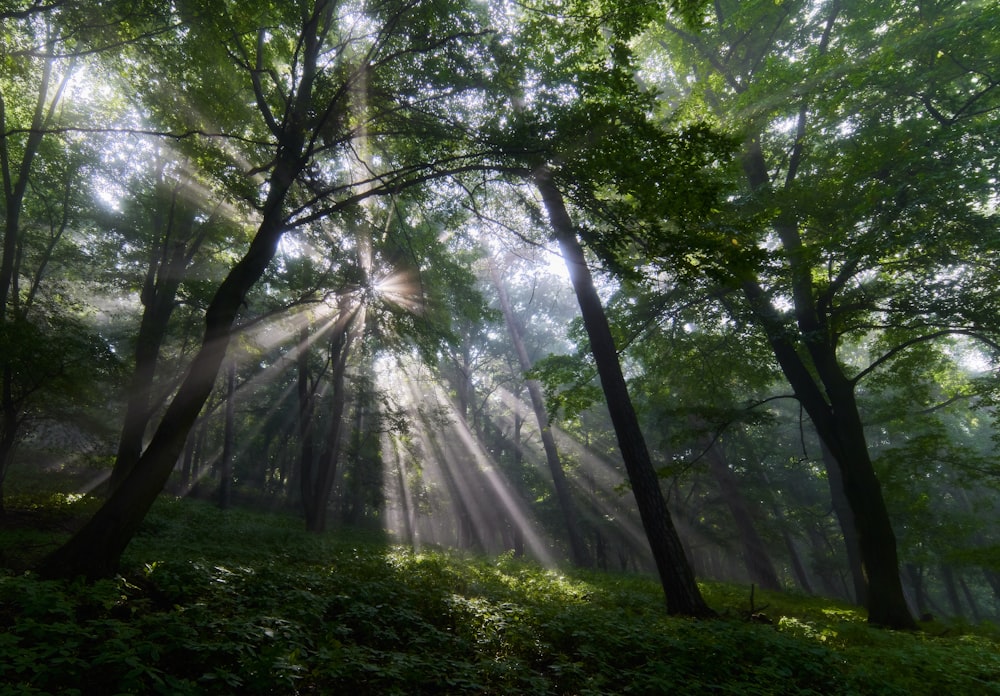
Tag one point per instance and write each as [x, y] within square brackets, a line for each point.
[213, 602]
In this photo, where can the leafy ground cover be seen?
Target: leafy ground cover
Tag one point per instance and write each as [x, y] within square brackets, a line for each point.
[244, 602]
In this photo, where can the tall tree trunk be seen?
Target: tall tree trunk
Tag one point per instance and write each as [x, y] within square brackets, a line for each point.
[993, 580]
[951, 590]
[578, 548]
[825, 571]
[682, 594]
[318, 486]
[225, 495]
[8, 436]
[16, 178]
[793, 553]
[916, 575]
[187, 466]
[970, 599]
[755, 554]
[307, 445]
[845, 517]
[95, 550]
[158, 297]
[796, 560]
[833, 409]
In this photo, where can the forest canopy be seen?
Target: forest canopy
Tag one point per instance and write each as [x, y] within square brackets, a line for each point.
[707, 290]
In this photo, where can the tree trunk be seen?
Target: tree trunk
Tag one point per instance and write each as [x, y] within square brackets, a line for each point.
[970, 598]
[578, 548]
[876, 539]
[307, 445]
[793, 554]
[755, 554]
[95, 550]
[228, 439]
[158, 298]
[993, 580]
[682, 594]
[796, 560]
[916, 575]
[187, 466]
[825, 570]
[15, 186]
[951, 590]
[10, 421]
[845, 517]
[317, 487]
[832, 407]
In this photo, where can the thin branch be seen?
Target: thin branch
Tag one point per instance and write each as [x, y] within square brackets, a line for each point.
[899, 348]
[944, 404]
[170, 135]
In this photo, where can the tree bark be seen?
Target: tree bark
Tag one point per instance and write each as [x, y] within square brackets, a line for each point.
[842, 509]
[578, 548]
[681, 591]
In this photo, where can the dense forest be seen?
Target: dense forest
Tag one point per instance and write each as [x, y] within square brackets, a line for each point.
[701, 291]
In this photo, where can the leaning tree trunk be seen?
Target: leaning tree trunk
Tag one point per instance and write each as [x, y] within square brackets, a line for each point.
[682, 594]
[578, 549]
[96, 549]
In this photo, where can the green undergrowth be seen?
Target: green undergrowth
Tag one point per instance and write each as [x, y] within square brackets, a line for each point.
[213, 602]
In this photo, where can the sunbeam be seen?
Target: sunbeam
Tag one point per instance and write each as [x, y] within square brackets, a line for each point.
[596, 481]
[470, 501]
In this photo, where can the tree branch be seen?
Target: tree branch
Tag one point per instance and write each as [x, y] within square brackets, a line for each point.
[899, 348]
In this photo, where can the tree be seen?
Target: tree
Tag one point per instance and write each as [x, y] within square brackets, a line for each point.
[842, 214]
[45, 176]
[318, 472]
[306, 87]
[682, 593]
[178, 227]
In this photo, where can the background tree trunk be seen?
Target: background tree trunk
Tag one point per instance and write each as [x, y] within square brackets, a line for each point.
[158, 298]
[225, 494]
[578, 548]
[755, 555]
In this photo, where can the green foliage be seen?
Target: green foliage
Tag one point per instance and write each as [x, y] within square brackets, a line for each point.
[200, 611]
[569, 382]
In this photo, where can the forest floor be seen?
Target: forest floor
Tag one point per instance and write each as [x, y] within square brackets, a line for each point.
[240, 601]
